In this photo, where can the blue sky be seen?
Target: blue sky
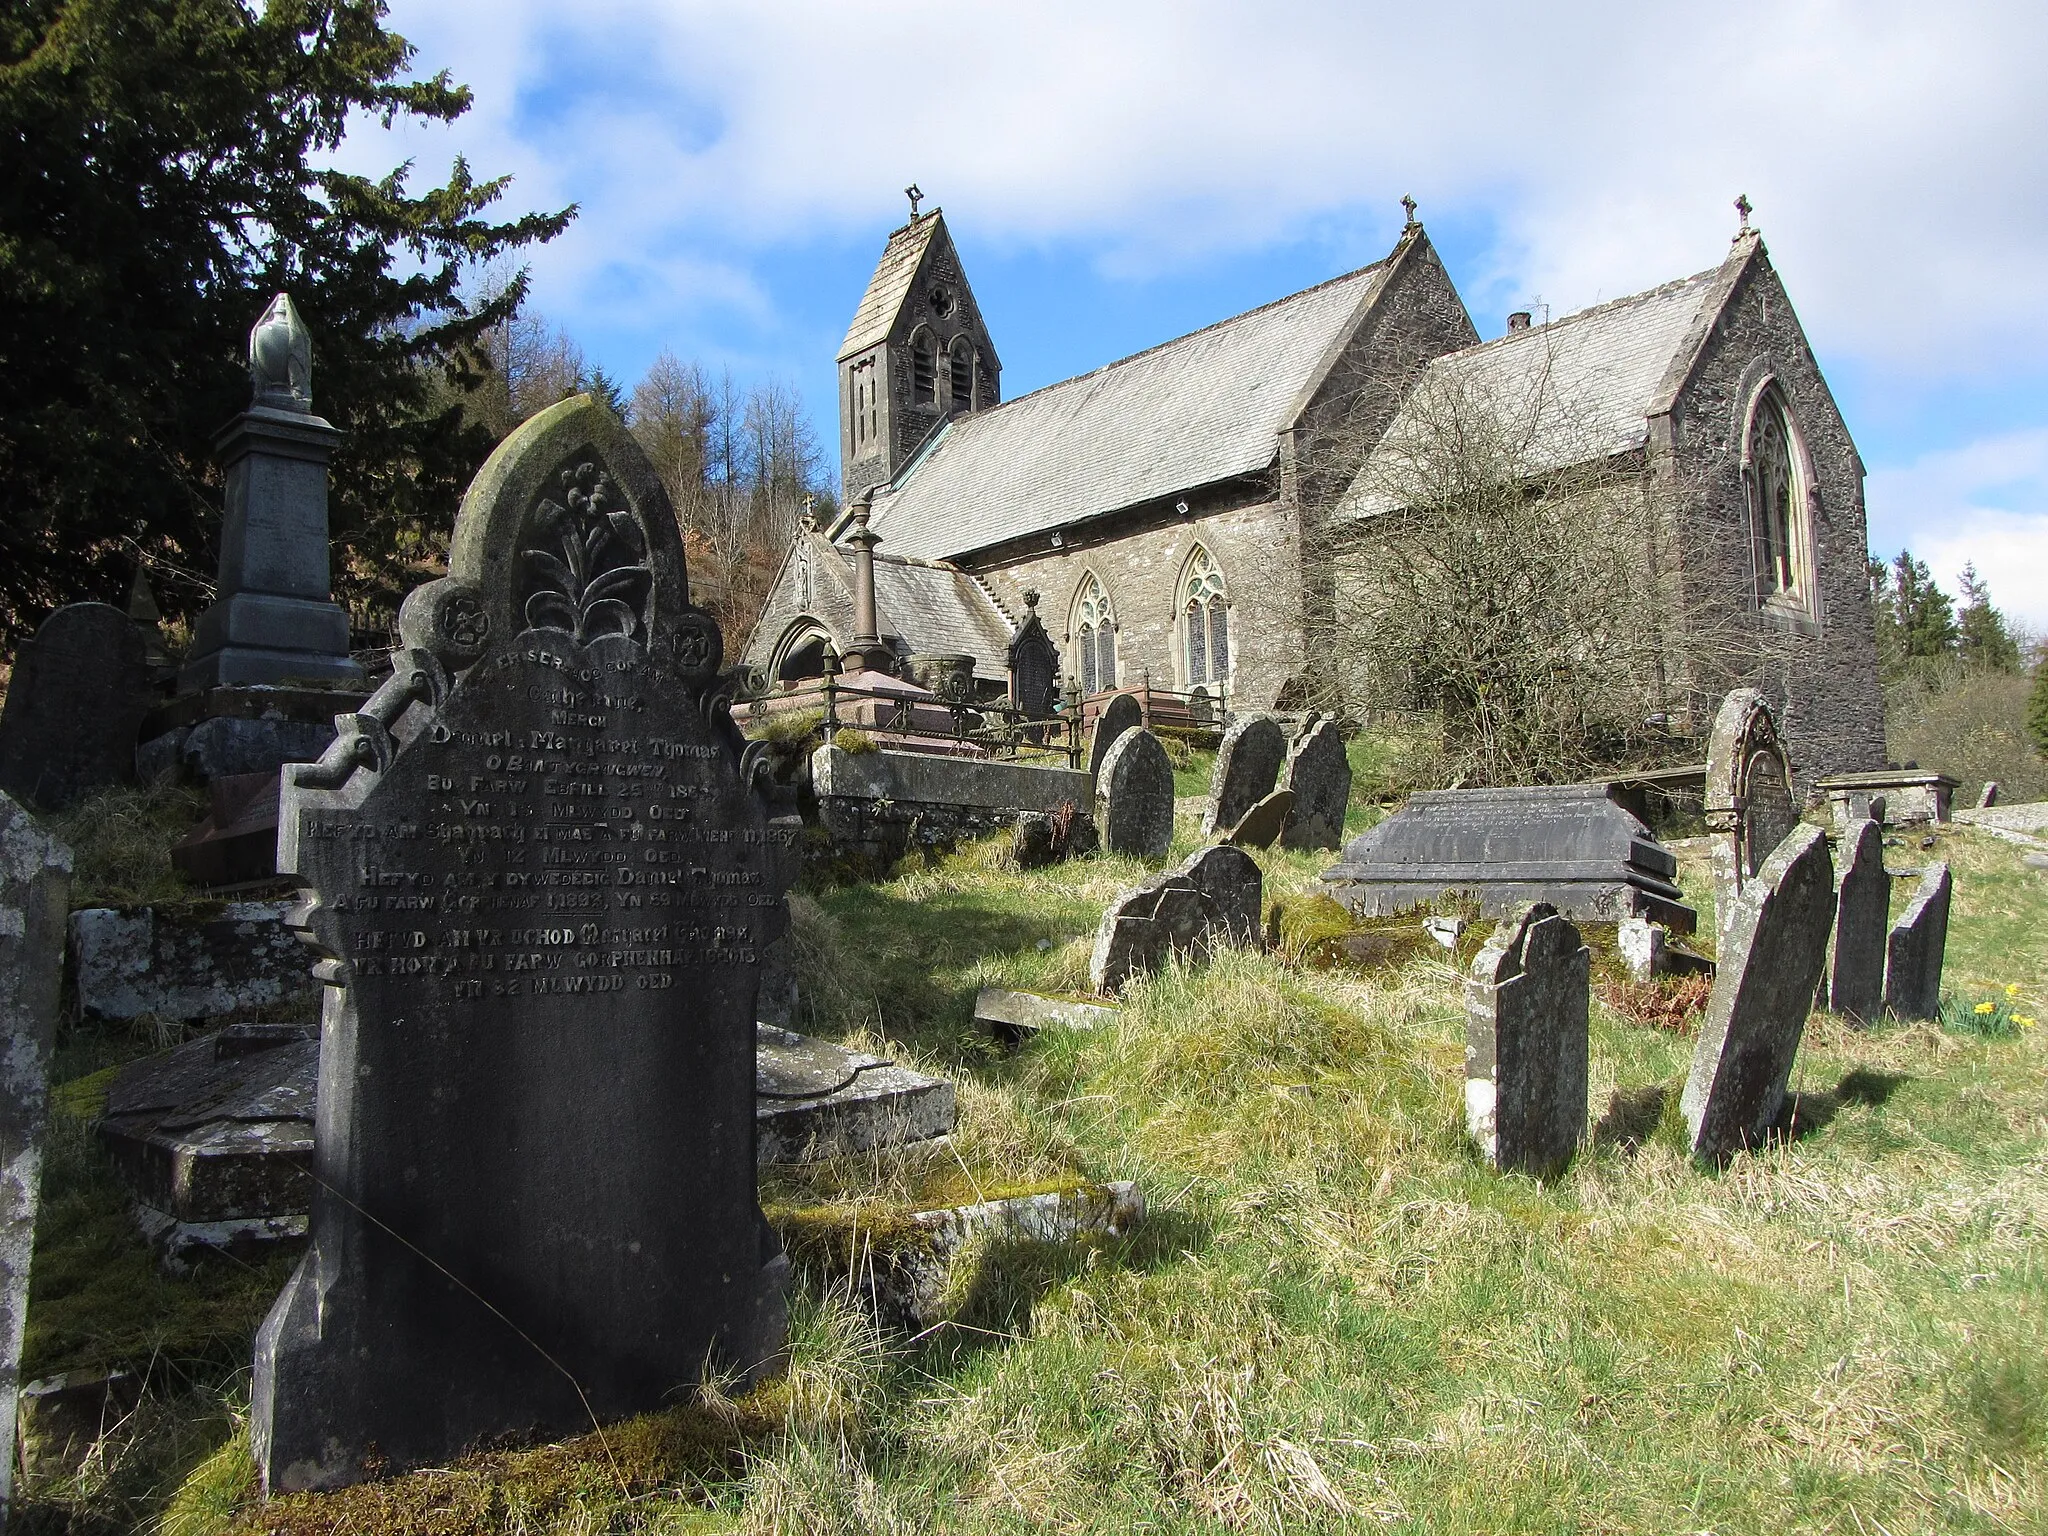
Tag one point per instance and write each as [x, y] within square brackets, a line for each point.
[1118, 174]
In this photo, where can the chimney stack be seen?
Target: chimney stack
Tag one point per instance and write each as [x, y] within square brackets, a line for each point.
[1518, 321]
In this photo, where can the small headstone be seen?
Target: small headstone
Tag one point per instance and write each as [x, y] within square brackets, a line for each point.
[35, 885]
[1134, 796]
[1914, 949]
[1232, 879]
[1119, 715]
[1749, 803]
[1319, 774]
[1168, 915]
[1527, 1046]
[1770, 963]
[1988, 797]
[1445, 930]
[1648, 951]
[74, 707]
[543, 889]
[1261, 826]
[1862, 909]
[1248, 762]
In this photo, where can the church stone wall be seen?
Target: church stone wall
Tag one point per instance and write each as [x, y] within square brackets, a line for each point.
[1141, 566]
[1821, 676]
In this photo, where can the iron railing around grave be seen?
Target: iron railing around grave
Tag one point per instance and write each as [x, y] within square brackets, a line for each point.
[999, 729]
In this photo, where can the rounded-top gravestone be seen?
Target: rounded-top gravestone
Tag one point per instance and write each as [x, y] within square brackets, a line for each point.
[80, 690]
[1248, 762]
[1862, 908]
[1119, 715]
[1134, 797]
[1319, 773]
[543, 889]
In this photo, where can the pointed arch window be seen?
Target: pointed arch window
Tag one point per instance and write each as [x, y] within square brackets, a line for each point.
[924, 368]
[1093, 631]
[1775, 468]
[962, 370]
[1204, 622]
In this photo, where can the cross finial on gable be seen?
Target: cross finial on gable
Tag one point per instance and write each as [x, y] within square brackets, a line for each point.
[1742, 206]
[1408, 207]
[915, 197]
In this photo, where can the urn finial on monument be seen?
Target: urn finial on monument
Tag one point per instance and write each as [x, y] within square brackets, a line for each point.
[281, 359]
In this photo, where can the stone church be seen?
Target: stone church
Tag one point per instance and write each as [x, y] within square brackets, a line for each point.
[1154, 509]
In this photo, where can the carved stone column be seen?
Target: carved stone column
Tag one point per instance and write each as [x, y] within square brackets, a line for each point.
[867, 638]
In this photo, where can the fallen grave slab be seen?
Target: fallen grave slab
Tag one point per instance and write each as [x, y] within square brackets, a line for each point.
[1012, 1015]
[814, 1100]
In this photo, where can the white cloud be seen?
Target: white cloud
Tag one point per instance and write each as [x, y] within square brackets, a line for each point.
[1896, 153]
[1986, 503]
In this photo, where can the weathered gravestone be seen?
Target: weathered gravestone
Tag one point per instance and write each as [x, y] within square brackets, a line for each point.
[1567, 844]
[1319, 774]
[1119, 715]
[1527, 1047]
[1232, 879]
[1134, 797]
[1862, 907]
[35, 884]
[1749, 805]
[1914, 948]
[1261, 826]
[1167, 915]
[1770, 962]
[80, 690]
[1247, 767]
[543, 886]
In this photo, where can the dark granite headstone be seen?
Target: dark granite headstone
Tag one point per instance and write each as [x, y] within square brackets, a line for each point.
[1570, 845]
[1232, 879]
[1862, 909]
[1034, 665]
[1770, 963]
[1749, 805]
[1914, 949]
[1319, 772]
[1248, 762]
[1119, 715]
[80, 690]
[1134, 797]
[1168, 915]
[543, 885]
[1527, 1047]
[35, 884]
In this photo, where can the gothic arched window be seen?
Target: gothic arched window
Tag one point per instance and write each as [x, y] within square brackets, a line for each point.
[963, 375]
[1093, 632]
[924, 368]
[1204, 622]
[1779, 531]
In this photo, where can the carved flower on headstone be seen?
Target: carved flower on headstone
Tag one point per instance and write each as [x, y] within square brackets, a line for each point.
[599, 582]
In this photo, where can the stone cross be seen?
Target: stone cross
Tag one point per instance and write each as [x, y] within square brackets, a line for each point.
[1248, 762]
[1862, 909]
[275, 620]
[542, 887]
[1744, 208]
[1914, 949]
[1408, 212]
[1772, 954]
[915, 197]
[35, 884]
[1527, 1045]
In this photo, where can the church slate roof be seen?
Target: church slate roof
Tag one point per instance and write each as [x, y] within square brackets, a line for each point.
[887, 289]
[1607, 370]
[1190, 412]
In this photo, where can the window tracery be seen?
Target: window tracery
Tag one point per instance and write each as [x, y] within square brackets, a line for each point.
[1204, 622]
[1780, 532]
[1093, 632]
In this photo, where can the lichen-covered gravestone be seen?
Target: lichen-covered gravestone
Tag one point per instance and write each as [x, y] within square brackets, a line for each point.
[35, 883]
[1134, 797]
[1749, 805]
[1232, 879]
[543, 886]
[1527, 1046]
[1168, 915]
[1119, 715]
[1862, 907]
[1770, 963]
[74, 708]
[1914, 949]
[1247, 767]
[1319, 773]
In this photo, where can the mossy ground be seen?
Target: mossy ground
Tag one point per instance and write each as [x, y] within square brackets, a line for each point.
[1334, 1317]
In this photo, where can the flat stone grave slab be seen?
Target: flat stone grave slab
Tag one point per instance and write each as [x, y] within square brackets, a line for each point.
[1248, 763]
[814, 1100]
[1011, 1016]
[1569, 845]
[80, 690]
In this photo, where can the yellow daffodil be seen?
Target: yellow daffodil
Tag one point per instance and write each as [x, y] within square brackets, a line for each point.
[2023, 1020]
[1987, 1007]
[2012, 989]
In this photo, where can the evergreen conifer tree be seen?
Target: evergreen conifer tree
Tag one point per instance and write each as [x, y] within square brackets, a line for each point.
[1926, 617]
[2037, 705]
[1983, 637]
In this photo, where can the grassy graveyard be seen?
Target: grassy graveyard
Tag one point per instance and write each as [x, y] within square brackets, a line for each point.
[1333, 1317]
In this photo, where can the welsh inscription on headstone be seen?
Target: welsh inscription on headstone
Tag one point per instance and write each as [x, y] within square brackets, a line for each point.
[1319, 773]
[80, 690]
[1134, 797]
[1862, 909]
[1527, 1046]
[1749, 805]
[1119, 715]
[1247, 767]
[1914, 949]
[1770, 963]
[543, 887]
[35, 884]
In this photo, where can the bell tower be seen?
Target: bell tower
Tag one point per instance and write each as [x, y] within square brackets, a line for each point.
[916, 353]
